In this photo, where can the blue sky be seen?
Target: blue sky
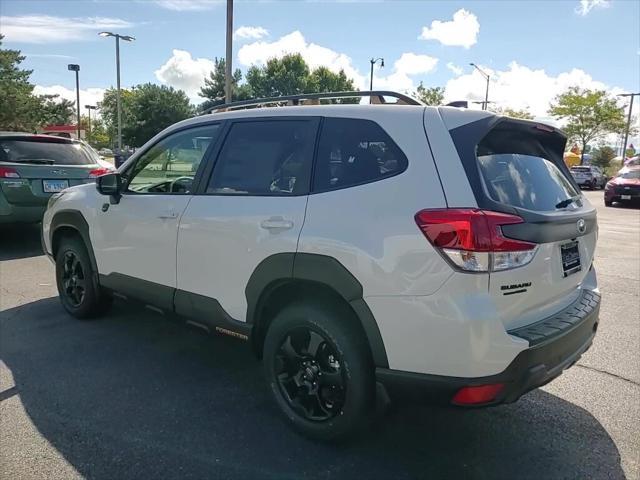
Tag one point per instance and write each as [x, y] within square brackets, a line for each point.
[532, 49]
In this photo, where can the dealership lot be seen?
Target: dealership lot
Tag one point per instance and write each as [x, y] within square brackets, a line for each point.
[134, 395]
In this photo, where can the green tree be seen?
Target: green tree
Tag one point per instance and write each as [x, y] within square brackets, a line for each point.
[324, 80]
[213, 89]
[288, 75]
[56, 110]
[99, 138]
[153, 108]
[589, 115]
[18, 107]
[429, 95]
[513, 112]
[602, 156]
[109, 113]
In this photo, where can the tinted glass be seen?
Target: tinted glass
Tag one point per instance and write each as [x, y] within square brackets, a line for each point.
[171, 164]
[525, 181]
[353, 152]
[44, 152]
[581, 169]
[265, 158]
[631, 174]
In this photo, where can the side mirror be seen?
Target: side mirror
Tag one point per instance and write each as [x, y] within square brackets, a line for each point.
[110, 185]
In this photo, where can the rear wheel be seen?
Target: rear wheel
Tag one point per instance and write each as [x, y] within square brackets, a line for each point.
[320, 371]
[608, 203]
[79, 291]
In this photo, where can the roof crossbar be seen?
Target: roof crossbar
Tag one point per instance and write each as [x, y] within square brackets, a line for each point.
[377, 97]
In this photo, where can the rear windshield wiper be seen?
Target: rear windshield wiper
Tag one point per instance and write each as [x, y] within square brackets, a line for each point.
[567, 202]
[37, 161]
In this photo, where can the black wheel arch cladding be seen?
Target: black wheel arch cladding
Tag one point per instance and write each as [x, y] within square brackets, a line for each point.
[281, 268]
[73, 219]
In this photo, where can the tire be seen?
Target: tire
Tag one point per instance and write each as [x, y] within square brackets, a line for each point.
[342, 368]
[607, 203]
[78, 288]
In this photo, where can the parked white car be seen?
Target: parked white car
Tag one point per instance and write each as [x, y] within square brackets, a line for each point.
[589, 176]
[358, 249]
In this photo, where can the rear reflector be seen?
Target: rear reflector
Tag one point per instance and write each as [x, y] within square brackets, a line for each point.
[8, 172]
[98, 172]
[477, 395]
[472, 239]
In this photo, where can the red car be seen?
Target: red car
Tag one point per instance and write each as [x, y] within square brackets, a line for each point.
[623, 188]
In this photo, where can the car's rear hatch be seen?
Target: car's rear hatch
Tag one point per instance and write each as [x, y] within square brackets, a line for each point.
[33, 167]
[516, 167]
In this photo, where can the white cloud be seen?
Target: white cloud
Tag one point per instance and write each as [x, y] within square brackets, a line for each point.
[454, 68]
[586, 6]
[408, 65]
[250, 32]
[462, 31]
[184, 72]
[258, 53]
[88, 96]
[187, 5]
[46, 28]
[520, 87]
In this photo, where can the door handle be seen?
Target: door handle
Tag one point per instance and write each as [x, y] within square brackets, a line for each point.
[276, 223]
[168, 216]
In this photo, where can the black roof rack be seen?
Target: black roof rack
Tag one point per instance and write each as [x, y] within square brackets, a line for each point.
[377, 97]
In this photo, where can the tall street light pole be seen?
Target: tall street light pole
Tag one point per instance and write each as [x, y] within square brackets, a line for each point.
[126, 38]
[373, 61]
[89, 108]
[626, 131]
[228, 87]
[485, 104]
[76, 68]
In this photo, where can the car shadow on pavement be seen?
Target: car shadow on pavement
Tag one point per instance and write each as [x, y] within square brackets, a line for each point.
[20, 241]
[135, 395]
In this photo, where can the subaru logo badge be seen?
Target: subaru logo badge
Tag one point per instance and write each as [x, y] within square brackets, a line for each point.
[582, 226]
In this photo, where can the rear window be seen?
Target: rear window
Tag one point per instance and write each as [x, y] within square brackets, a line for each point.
[580, 169]
[44, 152]
[630, 174]
[517, 170]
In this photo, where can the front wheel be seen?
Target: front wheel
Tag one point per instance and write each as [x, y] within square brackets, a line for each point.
[78, 289]
[319, 369]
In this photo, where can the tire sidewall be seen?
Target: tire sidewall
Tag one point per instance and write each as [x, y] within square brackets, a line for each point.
[87, 307]
[357, 367]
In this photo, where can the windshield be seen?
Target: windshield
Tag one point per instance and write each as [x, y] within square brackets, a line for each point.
[630, 174]
[47, 152]
[580, 169]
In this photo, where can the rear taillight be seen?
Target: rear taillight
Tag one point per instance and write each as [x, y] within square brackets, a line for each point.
[472, 239]
[8, 172]
[98, 172]
[477, 395]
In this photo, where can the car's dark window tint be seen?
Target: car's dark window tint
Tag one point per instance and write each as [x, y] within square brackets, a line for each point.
[44, 151]
[352, 152]
[171, 164]
[269, 157]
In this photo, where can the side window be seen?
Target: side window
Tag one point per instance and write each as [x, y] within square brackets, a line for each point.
[269, 157]
[171, 164]
[352, 152]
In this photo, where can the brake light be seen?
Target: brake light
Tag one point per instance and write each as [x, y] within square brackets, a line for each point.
[98, 172]
[477, 395]
[472, 239]
[8, 172]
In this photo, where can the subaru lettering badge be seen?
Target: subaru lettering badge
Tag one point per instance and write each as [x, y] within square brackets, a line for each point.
[582, 226]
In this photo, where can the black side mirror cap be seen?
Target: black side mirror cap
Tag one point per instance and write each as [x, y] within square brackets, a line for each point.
[110, 185]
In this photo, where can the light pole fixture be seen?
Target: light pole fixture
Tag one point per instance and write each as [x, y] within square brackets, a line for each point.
[373, 61]
[76, 68]
[228, 85]
[486, 94]
[89, 108]
[126, 38]
[626, 130]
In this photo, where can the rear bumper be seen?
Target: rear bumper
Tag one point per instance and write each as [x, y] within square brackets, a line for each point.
[20, 214]
[555, 343]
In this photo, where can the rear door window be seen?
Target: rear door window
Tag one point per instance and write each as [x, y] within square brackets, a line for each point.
[516, 172]
[353, 152]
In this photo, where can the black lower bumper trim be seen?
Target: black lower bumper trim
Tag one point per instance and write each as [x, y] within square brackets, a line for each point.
[532, 368]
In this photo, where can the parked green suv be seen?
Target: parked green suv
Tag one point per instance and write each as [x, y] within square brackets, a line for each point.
[33, 167]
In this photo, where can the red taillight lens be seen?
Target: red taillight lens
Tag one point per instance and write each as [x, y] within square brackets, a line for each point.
[477, 395]
[8, 172]
[473, 240]
[99, 171]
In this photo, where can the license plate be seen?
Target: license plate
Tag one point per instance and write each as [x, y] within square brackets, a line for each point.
[54, 186]
[570, 258]
[625, 197]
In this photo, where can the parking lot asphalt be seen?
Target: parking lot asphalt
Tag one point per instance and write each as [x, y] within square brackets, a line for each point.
[135, 395]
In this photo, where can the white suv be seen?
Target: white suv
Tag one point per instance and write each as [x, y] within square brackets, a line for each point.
[361, 250]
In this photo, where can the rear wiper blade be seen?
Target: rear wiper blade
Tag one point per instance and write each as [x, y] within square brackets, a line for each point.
[567, 202]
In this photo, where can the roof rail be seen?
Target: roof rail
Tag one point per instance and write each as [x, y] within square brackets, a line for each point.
[377, 97]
